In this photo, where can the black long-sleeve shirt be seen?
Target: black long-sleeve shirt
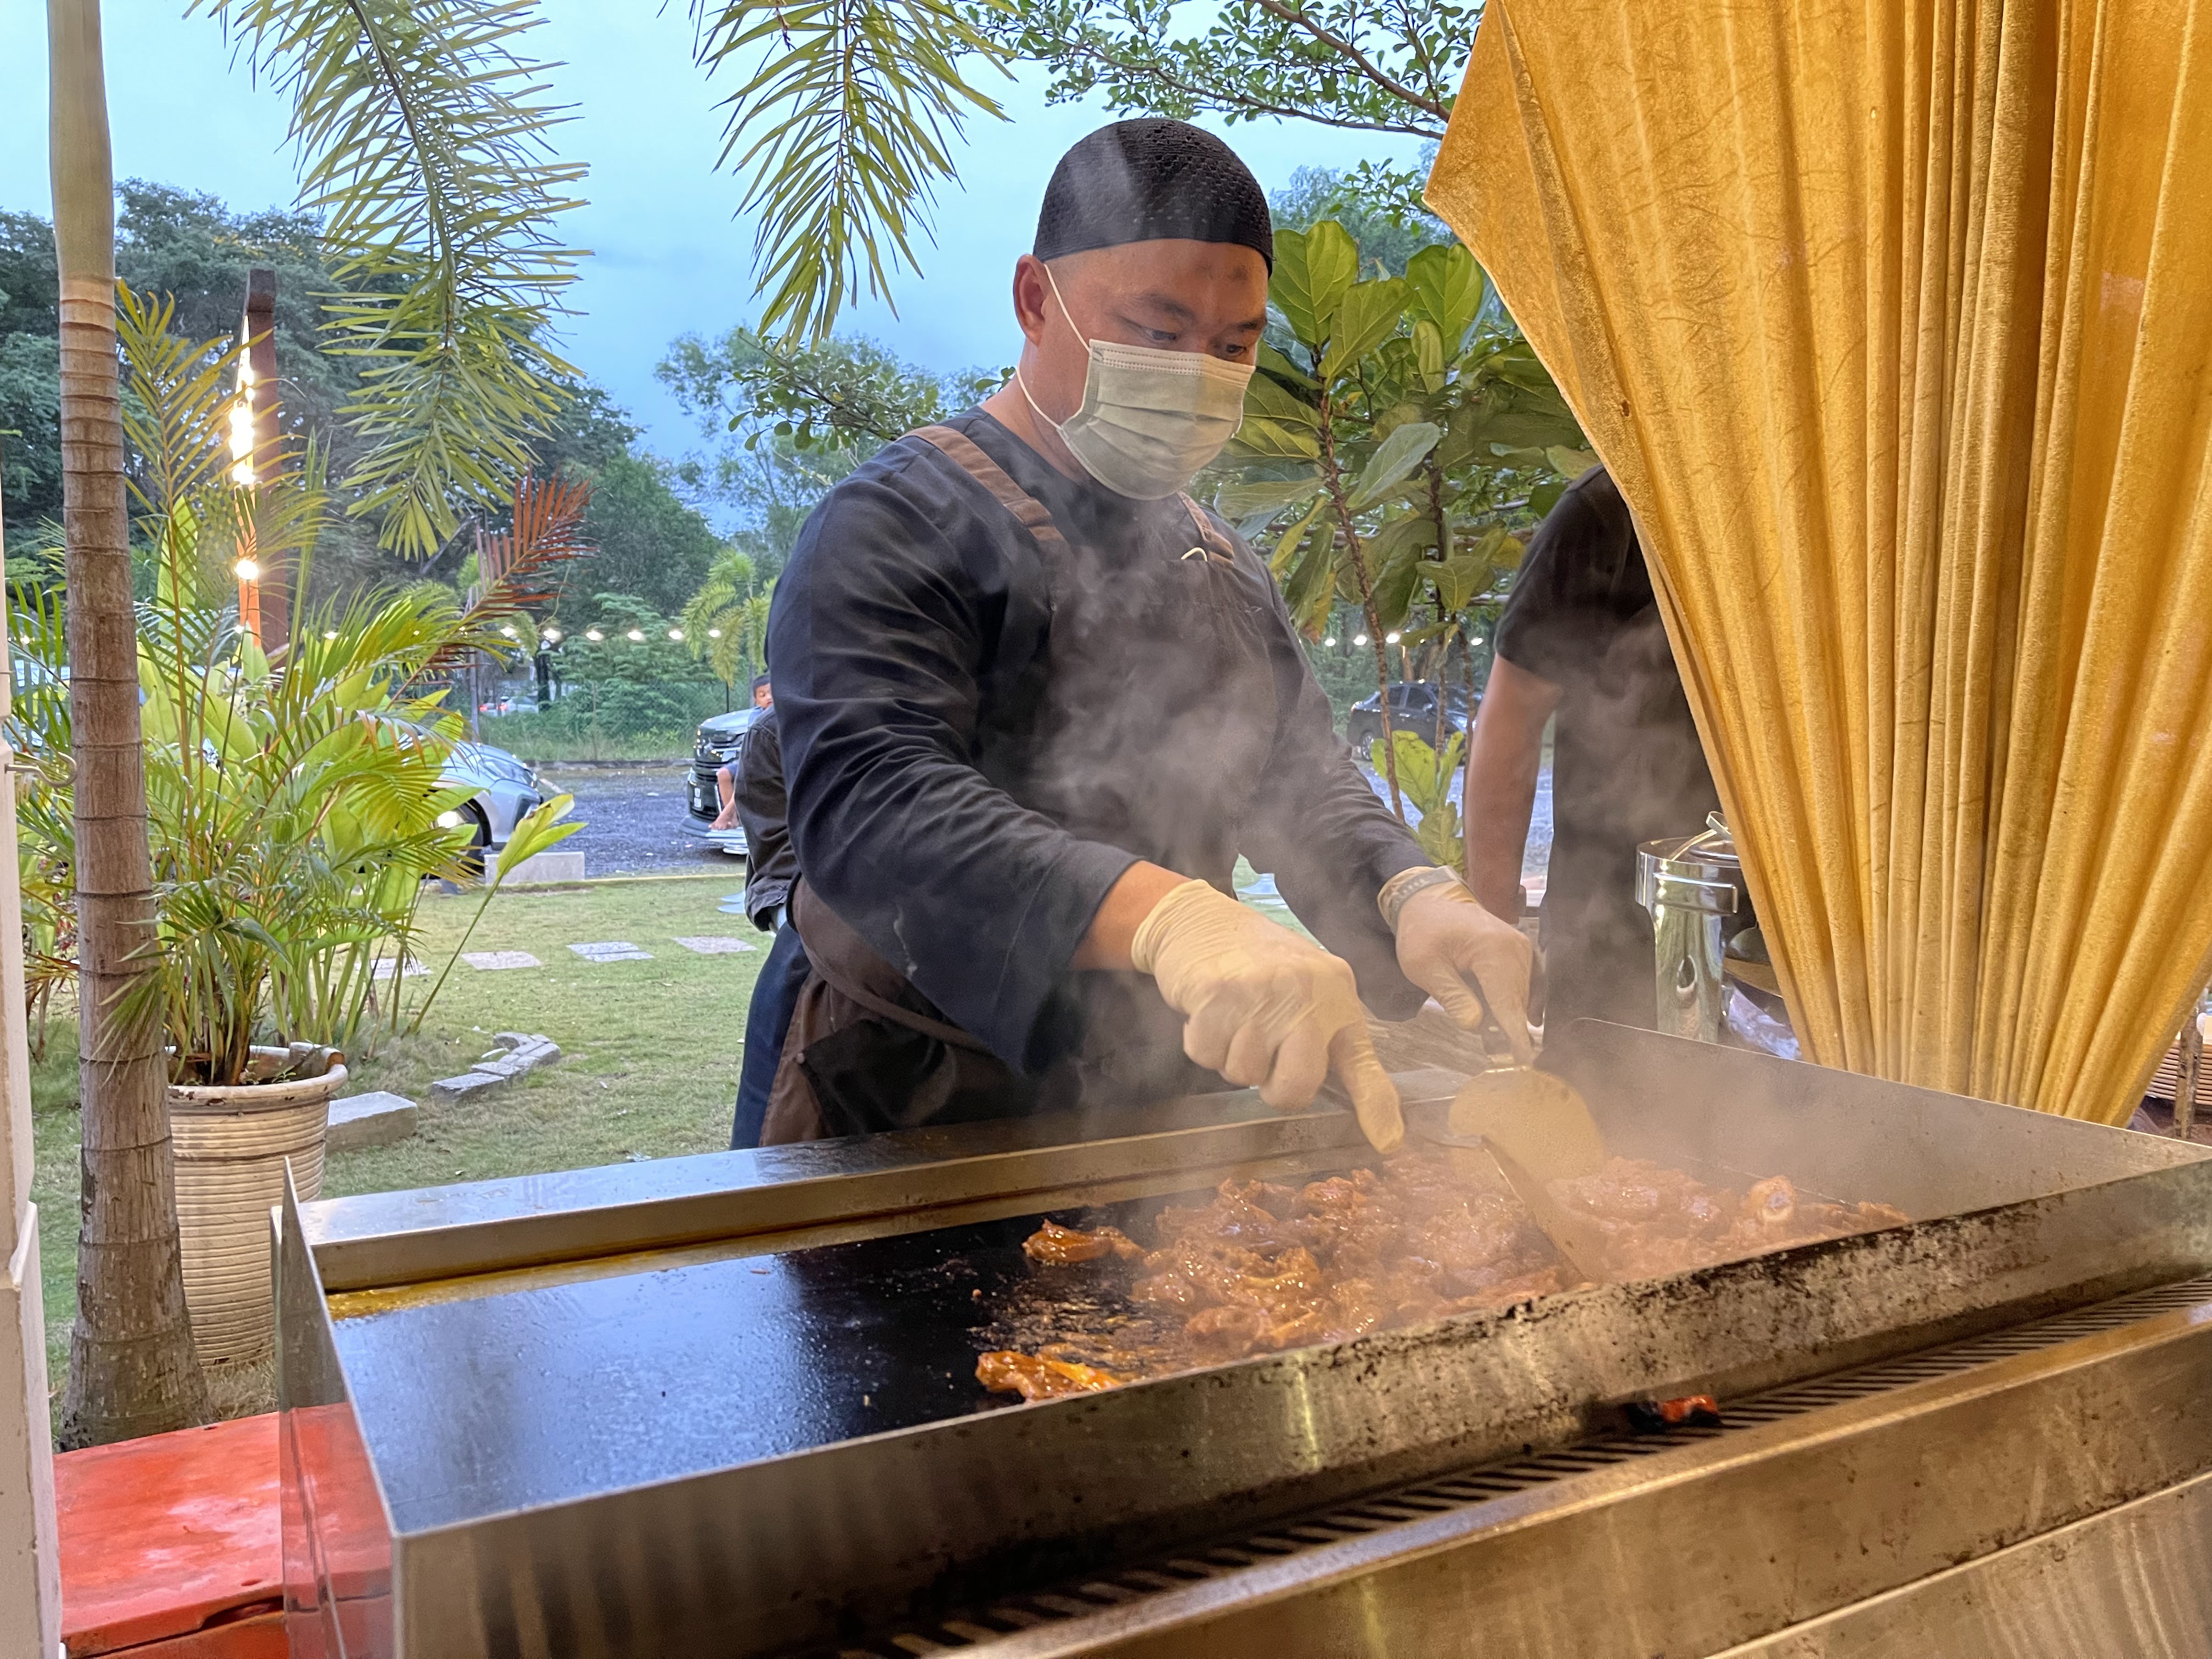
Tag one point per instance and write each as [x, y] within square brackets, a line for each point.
[762, 804]
[981, 734]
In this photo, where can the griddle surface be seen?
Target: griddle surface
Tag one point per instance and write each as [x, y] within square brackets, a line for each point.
[477, 1405]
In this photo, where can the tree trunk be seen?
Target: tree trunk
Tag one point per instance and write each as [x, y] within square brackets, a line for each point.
[132, 1371]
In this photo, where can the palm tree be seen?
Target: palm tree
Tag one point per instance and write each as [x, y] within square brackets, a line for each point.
[726, 621]
[132, 1371]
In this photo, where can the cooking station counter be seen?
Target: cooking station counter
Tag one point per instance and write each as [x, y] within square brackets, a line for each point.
[727, 1405]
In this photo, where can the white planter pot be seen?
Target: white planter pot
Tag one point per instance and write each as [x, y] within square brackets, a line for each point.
[231, 1145]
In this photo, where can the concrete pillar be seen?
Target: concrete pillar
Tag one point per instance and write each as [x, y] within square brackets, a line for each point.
[30, 1553]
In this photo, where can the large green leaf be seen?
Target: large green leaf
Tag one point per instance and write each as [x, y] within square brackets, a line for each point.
[1447, 286]
[1267, 396]
[1394, 555]
[1314, 269]
[1398, 455]
[1271, 440]
[1263, 498]
[1368, 313]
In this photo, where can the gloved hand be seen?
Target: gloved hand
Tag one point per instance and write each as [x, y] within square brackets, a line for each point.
[1263, 1005]
[1445, 934]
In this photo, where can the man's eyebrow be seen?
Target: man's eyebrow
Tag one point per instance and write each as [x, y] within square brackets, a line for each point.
[1168, 303]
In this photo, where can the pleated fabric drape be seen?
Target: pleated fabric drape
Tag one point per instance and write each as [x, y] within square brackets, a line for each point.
[1894, 323]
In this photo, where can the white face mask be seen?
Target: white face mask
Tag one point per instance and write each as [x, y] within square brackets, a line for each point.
[1150, 419]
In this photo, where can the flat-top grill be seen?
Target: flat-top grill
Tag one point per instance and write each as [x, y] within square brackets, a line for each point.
[727, 1405]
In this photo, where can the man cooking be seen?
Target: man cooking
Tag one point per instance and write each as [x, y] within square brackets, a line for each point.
[1034, 701]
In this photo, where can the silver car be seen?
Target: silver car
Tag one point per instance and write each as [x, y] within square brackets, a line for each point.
[507, 786]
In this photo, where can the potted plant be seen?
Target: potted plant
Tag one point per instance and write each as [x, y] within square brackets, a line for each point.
[293, 800]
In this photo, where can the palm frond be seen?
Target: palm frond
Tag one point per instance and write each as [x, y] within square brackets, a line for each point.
[843, 128]
[423, 137]
[548, 530]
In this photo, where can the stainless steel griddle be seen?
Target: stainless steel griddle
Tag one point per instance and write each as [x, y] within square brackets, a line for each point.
[726, 1405]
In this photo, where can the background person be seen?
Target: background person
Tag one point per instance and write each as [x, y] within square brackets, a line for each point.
[1581, 638]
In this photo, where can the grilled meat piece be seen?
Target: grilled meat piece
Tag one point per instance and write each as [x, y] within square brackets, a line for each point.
[1059, 1246]
[1034, 1378]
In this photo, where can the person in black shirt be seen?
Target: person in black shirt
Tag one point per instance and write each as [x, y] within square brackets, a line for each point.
[758, 802]
[1035, 701]
[1582, 639]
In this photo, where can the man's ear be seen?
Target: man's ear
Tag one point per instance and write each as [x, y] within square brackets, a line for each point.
[1032, 297]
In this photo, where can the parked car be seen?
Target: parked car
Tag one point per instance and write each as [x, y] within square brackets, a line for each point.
[721, 742]
[1412, 708]
[506, 787]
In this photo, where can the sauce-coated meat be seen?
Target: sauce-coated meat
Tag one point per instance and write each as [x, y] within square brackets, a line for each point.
[1057, 1245]
[1263, 1265]
[1656, 1221]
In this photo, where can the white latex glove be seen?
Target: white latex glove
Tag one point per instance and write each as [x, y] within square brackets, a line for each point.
[1445, 933]
[1263, 1005]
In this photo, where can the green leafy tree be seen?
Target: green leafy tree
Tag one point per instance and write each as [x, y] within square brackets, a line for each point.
[646, 541]
[1386, 451]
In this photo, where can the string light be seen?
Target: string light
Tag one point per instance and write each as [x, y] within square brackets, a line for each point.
[1330, 642]
[1389, 638]
[714, 633]
[551, 636]
[593, 635]
[1359, 639]
[637, 634]
[247, 571]
[508, 629]
[330, 633]
[241, 430]
[675, 633]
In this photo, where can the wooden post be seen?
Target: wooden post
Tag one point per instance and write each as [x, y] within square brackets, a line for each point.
[273, 625]
[30, 1553]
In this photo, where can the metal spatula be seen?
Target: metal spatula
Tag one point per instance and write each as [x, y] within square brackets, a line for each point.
[1540, 1120]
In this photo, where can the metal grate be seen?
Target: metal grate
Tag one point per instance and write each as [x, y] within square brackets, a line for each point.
[1442, 1494]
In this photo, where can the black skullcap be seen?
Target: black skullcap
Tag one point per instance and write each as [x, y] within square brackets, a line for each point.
[1143, 181]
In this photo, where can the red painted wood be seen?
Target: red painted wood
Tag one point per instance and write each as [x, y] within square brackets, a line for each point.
[161, 1538]
[260, 1637]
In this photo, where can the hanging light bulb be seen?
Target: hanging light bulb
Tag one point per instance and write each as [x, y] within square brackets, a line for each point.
[637, 634]
[1329, 643]
[675, 633]
[550, 635]
[330, 633]
[247, 571]
[593, 635]
[508, 629]
[1359, 639]
[1389, 638]
[714, 633]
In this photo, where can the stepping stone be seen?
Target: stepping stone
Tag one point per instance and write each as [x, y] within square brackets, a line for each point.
[447, 1089]
[613, 950]
[491, 962]
[381, 1119]
[714, 945]
[383, 969]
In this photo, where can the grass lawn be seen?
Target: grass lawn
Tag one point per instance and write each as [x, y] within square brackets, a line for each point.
[651, 1052]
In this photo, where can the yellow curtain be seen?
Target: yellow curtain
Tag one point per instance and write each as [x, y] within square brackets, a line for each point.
[1894, 323]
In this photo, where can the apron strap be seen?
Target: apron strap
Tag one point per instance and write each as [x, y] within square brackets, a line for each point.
[1034, 515]
[965, 454]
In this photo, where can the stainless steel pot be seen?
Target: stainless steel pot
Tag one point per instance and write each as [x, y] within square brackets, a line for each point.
[1691, 884]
